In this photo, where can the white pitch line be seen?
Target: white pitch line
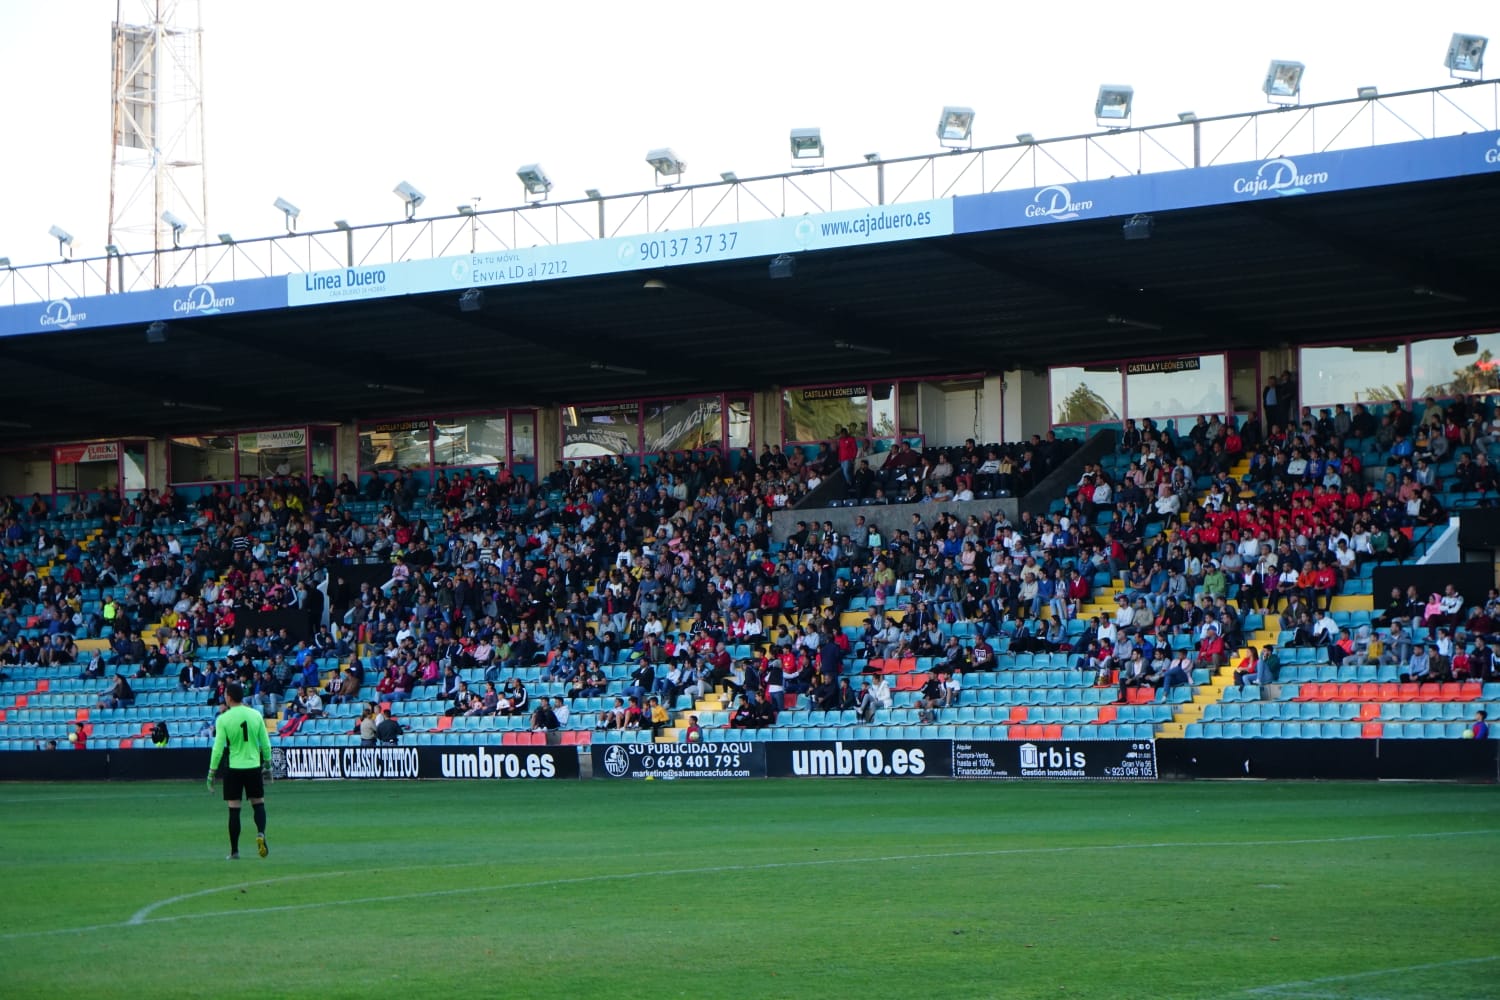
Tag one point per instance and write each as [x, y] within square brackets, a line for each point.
[139, 919]
[1301, 984]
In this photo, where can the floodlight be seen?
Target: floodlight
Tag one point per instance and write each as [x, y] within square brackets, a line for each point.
[1112, 107]
[667, 165]
[111, 250]
[1368, 93]
[534, 180]
[1284, 82]
[782, 266]
[872, 157]
[156, 333]
[1466, 56]
[466, 210]
[342, 225]
[412, 198]
[956, 128]
[1465, 346]
[178, 226]
[592, 194]
[290, 211]
[471, 300]
[1026, 139]
[1138, 227]
[1187, 116]
[601, 366]
[5, 263]
[64, 241]
[729, 177]
[226, 239]
[807, 144]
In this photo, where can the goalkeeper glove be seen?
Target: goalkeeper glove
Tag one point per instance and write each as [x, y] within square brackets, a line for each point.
[265, 770]
[209, 781]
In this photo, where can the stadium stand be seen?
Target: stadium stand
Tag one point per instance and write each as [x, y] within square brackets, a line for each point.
[1176, 543]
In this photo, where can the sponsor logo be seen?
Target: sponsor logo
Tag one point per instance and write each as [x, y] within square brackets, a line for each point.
[59, 315]
[617, 760]
[372, 278]
[1279, 177]
[842, 761]
[1051, 762]
[345, 762]
[1493, 155]
[1056, 202]
[804, 231]
[201, 300]
[482, 763]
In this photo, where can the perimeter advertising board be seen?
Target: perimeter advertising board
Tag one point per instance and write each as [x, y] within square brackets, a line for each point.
[341, 763]
[1094, 760]
[680, 760]
[860, 759]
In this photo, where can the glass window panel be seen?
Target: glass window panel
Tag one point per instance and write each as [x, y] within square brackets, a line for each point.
[469, 441]
[1329, 375]
[683, 424]
[134, 466]
[817, 414]
[607, 429]
[1437, 371]
[882, 412]
[910, 416]
[739, 424]
[324, 451]
[394, 444]
[201, 459]
[1183, 392]
[523, 437]
[273, 454]
[1081, 396]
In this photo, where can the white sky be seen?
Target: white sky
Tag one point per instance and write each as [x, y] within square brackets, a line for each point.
[330, 104]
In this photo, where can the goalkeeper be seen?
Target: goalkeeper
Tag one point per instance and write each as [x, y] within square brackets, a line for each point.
[243, 732]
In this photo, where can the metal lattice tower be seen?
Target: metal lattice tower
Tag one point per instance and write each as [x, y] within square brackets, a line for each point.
[157, 172]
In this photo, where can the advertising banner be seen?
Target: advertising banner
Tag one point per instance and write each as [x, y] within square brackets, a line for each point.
[61, 315]
[99, 451]
[339, 763]
[860, 759]
[706, 244]
[668, 761]
[1280, 177]
[1099, 760]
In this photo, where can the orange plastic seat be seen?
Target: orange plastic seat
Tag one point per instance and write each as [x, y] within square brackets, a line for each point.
[1372, 730]
[1018, 714]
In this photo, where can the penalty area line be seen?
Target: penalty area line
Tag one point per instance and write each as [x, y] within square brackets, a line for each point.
[1299, 988]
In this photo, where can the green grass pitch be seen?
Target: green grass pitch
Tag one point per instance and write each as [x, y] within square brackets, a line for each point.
[757, 889]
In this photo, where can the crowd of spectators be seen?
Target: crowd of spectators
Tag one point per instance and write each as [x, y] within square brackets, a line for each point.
[670, 565]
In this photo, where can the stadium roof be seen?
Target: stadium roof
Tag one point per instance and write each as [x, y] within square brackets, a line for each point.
[1410, 259]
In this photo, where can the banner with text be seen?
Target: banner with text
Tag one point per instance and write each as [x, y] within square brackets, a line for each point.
[860, 759]
[64, 314]
[680, 760]
[1098, 760]
[391, 762]
[1281, 177]
[732, 241]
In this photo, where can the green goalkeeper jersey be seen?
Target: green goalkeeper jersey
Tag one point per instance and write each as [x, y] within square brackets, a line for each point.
[243, 731]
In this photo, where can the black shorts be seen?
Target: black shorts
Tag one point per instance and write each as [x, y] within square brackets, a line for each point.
[243, 783]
